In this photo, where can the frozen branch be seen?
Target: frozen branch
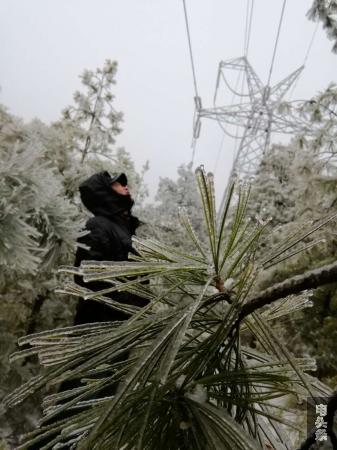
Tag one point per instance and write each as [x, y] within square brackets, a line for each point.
[294, 285]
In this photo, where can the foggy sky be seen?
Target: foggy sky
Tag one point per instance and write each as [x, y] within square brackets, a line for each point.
[46, 44]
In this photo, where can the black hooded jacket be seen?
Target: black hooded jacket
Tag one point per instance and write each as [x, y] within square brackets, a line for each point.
[109, 239]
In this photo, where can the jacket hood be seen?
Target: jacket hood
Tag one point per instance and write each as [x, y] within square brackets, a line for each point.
[99, 198]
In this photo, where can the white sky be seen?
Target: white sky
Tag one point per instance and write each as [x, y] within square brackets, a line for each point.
[46, 44]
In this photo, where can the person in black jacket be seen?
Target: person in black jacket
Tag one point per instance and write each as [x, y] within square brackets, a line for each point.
[109, 239]
[108, 198]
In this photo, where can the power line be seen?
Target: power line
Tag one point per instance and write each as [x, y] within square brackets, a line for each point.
[311, 44]
[190, 49]
[235, 93]
[237, 127]
[194, 141]
[305, 57]
[246, 27]
[236, 137]
[307, 53]
[276, 41]
[249, 29]
[193, 145]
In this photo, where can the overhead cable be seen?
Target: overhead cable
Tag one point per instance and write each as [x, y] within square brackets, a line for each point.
[276, 41]
[249, 28]
[234, 92]
[193, 145]
[311, 44]
[246, 27]
[305, 59]
[190, 50]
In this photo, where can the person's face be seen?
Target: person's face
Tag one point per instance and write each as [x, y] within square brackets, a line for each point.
[119, 188]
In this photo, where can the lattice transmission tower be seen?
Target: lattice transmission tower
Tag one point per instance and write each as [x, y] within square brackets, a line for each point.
[260, 111]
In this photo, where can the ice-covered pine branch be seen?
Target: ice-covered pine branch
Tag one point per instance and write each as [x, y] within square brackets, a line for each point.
[310, 279]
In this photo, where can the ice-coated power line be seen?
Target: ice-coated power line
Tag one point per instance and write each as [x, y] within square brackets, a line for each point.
[310, 44]
[276, 41]
[249, 20]
[306, 57]
[196, 94]
[190, 50]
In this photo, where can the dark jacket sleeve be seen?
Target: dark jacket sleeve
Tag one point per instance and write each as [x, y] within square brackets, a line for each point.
[100, 248]
[98, 242]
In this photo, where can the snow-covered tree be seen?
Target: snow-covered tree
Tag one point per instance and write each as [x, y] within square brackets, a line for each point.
[38, 231]
[321, 112]
[297, 185]
[88, 131]
[40, 213]
[93, 120]
[326, 12]
[172, 198]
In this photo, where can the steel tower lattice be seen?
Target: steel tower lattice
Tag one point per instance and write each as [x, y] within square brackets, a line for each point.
[261, 112]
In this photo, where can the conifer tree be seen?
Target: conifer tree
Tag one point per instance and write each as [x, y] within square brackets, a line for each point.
[296, 185]
[40, 218]
[162, 217]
